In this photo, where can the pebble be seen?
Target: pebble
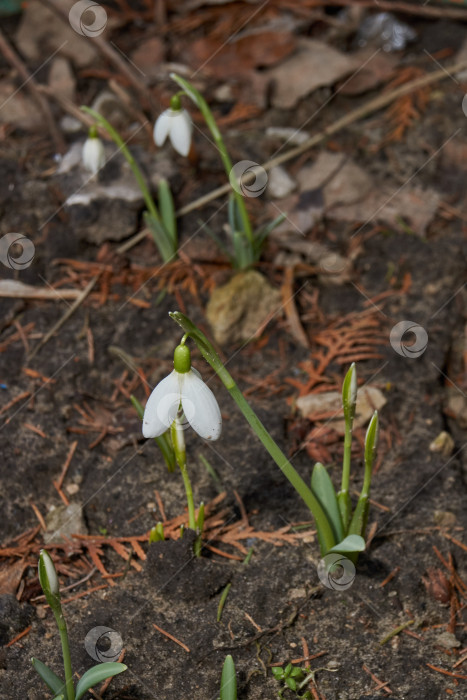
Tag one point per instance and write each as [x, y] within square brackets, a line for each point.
[280, 184]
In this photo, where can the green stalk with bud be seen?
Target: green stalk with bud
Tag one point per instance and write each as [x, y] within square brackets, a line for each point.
[65, 690]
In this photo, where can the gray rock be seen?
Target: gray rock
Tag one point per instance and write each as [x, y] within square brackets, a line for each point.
[64, 521]
[280, 184]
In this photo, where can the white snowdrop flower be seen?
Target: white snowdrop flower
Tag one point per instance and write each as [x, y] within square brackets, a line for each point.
[177, 125]
[183, 387]
[93, 152]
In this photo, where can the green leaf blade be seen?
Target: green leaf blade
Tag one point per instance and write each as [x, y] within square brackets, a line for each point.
[228, 680]
[97, 674]
[323, 489]
[53, 682]
[167, 211]
[349, 545]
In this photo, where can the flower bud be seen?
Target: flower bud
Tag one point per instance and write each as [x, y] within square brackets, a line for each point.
[371, 440]
[182, 359]
[93, 152]
[48, 579]
[349, 392]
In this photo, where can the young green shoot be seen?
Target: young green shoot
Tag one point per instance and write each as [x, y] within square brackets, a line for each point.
[228, 680]
[65, 689]
[349, 403]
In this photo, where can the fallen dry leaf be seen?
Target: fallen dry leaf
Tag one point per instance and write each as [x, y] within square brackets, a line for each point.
[222, 59]
[314, 64]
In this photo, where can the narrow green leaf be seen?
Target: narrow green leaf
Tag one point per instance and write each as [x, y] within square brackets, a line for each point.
[161, 237]
[352, 543]
[222, 600]
[228, 680]
[359, 518]
[97, 674]
[167, 210]
[323, 489]
[53, 682]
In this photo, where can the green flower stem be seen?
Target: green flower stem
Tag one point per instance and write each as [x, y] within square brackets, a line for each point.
[61, 624]
[178, 440]
[276, 453]
[203, 106]
[344, 495]
[150, 204]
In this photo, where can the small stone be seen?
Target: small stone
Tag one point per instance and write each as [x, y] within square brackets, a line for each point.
[72, 489]
[64, 521]
[444, 518]
[61, 78]
[70, 125]
[295, 593]
[238, 309]
[447, 640]
[457, 407]
[280, 184]
[293, 137]
[443, 444]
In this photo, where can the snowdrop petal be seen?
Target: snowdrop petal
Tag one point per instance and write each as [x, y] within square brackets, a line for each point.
[162, 127]
[162, 406]
[180, 131]
[200, 407]
[93, 155]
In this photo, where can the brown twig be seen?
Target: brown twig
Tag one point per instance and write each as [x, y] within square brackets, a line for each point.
[170, 636]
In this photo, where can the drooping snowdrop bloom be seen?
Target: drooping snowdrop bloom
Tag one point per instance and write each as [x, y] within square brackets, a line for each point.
[93, 152]
[177, 125]
[182, 389]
